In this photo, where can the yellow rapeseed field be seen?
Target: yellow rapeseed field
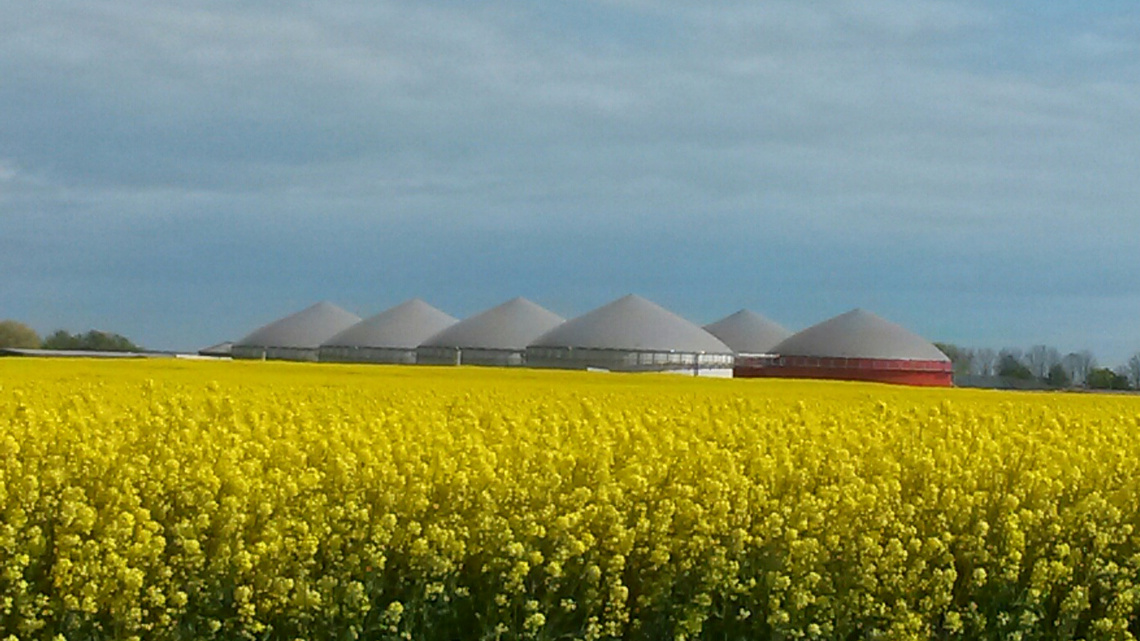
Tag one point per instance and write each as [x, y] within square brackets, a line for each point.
[190, 500]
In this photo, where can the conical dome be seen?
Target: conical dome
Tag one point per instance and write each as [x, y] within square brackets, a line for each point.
[859, 334]
[632, 323]
[510, 326]
[404, 326]
[306, 329]
[747, 332]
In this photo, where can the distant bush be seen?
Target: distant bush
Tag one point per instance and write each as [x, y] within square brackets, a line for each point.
[1104, 378]
[16, 334]
[93, 340]
[1010, 367]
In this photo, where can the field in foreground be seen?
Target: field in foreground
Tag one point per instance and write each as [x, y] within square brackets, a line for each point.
[179, 500]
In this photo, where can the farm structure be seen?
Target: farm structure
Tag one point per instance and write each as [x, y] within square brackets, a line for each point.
[497, 336]
[296, 337]
[391, 336]
[747, 332]
[857, 346]
[631, 334]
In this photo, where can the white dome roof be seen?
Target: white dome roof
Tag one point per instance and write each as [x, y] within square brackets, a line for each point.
[859, 334]
[510, 326]
[636, 324]
[307, 328]
[747, 332]
[403, 326]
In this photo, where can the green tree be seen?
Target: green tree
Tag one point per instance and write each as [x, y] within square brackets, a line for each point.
[16, 334]
[107, 342]
[1010, 366]
[60, 339]
[1058, 377]
[1104, 378]
[960, 357]
[92, 340]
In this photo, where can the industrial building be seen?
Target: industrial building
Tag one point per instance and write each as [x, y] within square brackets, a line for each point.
[498, 336]
[631, 334]
[391, 336]
[296, 337]
[857, 345]
[747, 332]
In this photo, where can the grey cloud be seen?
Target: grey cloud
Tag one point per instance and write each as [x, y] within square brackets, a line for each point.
[965, 132]
[469, 90]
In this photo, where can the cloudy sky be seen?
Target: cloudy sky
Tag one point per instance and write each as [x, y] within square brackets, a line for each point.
[184, 172]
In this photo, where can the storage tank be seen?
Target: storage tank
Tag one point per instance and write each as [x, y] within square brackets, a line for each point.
[296, 337]
[747, 332]
[497, 336]
[391, 336]
[632, 334]
[857, 345]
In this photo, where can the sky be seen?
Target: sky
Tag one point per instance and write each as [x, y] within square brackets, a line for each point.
[183, 173]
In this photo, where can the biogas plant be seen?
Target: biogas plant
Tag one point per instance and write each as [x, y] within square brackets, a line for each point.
[630, 334]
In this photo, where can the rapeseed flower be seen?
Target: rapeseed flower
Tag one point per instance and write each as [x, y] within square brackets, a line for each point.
[175, 500]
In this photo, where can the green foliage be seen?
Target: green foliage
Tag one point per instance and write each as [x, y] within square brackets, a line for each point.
[1058, 377]
[16, 334]
[961, 357]
[1011, 367]
[1104, 378]
[92, 340]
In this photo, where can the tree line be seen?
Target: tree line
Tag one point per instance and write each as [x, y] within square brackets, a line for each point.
[18, 335]
[1043, 365]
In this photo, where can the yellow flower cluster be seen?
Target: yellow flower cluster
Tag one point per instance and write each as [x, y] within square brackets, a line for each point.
[187, 500]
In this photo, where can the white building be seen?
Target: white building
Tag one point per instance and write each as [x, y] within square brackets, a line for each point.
[632, 334]
[296, 337]
[498, 336]
[391, 336]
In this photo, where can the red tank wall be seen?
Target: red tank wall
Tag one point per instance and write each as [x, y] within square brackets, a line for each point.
[922, 373]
